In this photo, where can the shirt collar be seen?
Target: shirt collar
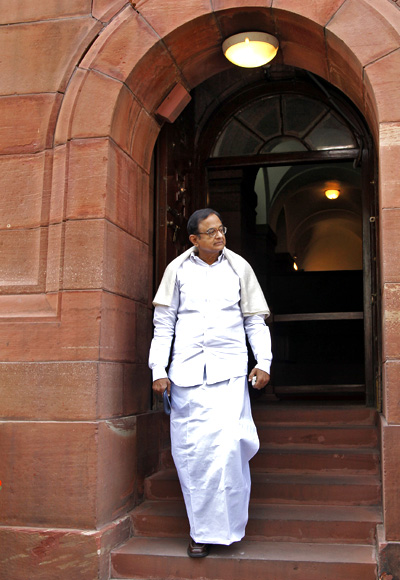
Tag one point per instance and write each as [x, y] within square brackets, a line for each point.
[195, 258]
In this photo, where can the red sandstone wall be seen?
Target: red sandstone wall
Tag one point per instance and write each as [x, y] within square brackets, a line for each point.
[75, 283]
[76, 136]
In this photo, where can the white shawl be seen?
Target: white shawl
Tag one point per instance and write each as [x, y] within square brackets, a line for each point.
[252, 300]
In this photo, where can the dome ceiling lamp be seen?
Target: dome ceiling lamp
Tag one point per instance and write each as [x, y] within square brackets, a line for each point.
[332, 193]
[250, 49]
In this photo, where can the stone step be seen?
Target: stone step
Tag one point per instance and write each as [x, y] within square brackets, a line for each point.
[288, 523]
[340, 437]
[309, 414]
[316, 489]
[274, 458]
[301, 458]
[161, 558]
[310, 489]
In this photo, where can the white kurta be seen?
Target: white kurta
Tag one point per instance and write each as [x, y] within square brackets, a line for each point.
[209, 328]
[213, 435]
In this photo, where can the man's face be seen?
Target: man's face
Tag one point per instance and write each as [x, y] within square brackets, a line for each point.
[206, 244]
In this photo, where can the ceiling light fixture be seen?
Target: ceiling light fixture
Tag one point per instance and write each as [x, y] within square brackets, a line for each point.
[332, 193]
[250, 49]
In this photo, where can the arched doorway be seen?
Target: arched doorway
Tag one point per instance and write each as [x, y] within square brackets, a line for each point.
[106, 129]
[271, 151]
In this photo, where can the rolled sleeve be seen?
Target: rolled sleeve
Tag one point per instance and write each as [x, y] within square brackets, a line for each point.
[259, 338]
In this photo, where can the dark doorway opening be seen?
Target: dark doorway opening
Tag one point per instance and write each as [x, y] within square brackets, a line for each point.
[315, 257]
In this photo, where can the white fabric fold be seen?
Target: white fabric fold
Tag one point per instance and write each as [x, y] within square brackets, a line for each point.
[213, 438]
[252, 300]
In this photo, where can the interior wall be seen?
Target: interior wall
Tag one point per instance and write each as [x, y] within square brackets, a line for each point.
[333, 245]
[78, 126]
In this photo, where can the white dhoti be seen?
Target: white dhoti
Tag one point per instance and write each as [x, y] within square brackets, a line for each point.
[213, 438]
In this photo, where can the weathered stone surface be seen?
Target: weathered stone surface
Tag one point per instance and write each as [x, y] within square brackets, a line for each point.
[112, 535]
[383, 76]
[197, 69]
[59, 553]
[126, 330]
[126, 264]
[116, 484]
[94, 106]
[67, 110]
[389, 151]
[54, 258]
[390, 476]
[122, 44]
[317, 12]
[388, 11]
[22, 189]
[84, 254]
[144, 138]
[104, 10]
[40, 57]
[58, 184]
[73, 336]
[370, 110]
[152, 77]
[101, 255]
[49, 391]
[119, 332]
[302, 42]
[20, 257]
[345, 70]
[171, 16]
[196, 41]
[27, 122]
[227, 4]
[127, 110]
[26, 11]
[144, 217]
[49, 474]
[391, 320]
[390, 245]
[81, 391]
[144, 332]
[29, 307]
[123, 190]
[124, 389]
[388, 557]
[128, 195]
[87, 178]
[357, 20]
[391, 393]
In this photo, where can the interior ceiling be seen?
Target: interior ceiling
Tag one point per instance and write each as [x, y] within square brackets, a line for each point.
[301, 192]
[323, 234]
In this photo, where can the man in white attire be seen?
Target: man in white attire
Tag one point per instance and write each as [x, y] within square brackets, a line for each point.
[209, 300]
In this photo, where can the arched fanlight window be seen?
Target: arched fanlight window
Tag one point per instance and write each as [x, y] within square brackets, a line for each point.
[298, 121]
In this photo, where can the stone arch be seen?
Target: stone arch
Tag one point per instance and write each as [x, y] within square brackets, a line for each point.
[114, 93]
[109, 116]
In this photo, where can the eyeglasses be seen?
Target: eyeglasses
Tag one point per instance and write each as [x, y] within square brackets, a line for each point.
[212, 232]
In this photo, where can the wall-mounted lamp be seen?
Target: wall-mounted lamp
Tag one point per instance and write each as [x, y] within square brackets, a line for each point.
[250, 49]
[332, 193]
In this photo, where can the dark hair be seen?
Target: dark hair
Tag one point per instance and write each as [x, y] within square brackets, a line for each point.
[197, 217]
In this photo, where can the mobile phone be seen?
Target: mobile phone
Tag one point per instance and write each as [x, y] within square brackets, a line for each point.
[167, 402]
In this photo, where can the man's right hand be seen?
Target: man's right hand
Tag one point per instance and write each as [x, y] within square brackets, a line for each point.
[160, 385]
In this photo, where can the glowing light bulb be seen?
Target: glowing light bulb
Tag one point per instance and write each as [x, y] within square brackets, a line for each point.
[332, 193]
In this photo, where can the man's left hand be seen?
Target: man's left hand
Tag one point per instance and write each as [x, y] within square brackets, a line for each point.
[262, 378]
